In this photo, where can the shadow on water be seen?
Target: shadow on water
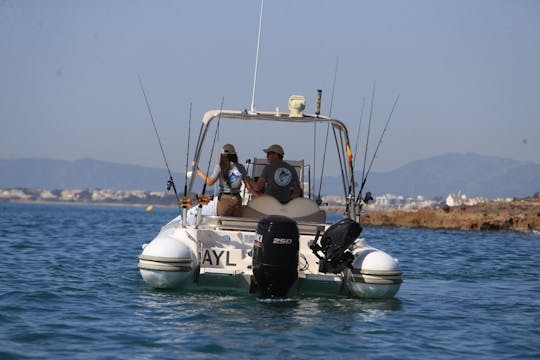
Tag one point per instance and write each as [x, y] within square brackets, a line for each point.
[392, 304]
[192, 320]
[206, 297]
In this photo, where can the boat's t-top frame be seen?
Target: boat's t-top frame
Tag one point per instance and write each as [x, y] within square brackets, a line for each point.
[340, 132]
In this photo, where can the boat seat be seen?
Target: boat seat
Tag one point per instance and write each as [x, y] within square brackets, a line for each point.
[305, 227]
[259, 164]
[299, 209]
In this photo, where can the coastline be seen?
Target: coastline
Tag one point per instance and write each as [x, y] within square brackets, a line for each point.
[518, 215]
[86, 203]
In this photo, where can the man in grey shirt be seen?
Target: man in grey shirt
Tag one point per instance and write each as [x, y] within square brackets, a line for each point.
[280, 178]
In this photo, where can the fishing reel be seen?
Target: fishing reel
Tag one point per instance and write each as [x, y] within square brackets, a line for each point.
[368, 197]
[203, 199]
[364, 200]
[186, 202]
[334, 249]
[360, 201]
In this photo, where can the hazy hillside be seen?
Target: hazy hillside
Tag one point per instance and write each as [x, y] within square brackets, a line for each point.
[80, 174]
[472, 174]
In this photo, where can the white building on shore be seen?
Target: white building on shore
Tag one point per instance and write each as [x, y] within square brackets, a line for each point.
[462, 199]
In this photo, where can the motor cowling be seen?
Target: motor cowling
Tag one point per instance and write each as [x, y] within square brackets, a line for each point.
[335, 244]
[275, 256]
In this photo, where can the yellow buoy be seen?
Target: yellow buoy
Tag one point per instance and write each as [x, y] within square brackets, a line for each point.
[150, 208]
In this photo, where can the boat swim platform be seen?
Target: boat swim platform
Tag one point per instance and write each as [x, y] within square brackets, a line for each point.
[306, 284]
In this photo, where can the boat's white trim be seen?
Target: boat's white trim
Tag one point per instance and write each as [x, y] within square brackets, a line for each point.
[372, 279]
[153, 265]
[378, 272]
[164, 259]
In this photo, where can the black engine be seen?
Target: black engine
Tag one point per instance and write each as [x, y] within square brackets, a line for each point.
[275, 256]
[335, 244]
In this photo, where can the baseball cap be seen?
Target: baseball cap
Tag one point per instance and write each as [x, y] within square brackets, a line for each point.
[228, 149]
[275, 148]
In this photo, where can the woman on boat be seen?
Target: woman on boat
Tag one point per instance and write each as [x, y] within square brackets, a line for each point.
[230, 174]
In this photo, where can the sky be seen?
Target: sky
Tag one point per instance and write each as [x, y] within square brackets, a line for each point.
[467, 74]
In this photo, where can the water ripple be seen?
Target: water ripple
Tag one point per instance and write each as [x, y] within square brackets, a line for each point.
[70, 289]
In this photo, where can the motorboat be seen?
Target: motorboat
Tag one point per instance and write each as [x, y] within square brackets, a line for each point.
[271, 250]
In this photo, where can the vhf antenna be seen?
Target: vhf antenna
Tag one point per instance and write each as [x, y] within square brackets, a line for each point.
[252, 109]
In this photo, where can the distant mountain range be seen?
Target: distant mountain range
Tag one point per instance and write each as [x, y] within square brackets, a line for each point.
[36, 173]
[470, 174]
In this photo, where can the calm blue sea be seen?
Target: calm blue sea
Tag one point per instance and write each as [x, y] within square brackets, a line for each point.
[70, 289]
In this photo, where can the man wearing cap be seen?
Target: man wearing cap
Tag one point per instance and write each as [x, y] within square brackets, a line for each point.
[280, 178]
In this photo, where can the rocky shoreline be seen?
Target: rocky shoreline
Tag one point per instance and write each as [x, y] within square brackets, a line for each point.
[523, 214]
[519, 214]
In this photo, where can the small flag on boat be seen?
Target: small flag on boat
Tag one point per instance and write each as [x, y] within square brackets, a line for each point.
[349, 154]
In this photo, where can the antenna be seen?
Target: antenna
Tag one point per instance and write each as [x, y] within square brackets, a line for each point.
[257, 60]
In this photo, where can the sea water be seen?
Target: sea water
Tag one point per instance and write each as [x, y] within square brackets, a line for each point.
[70, 289]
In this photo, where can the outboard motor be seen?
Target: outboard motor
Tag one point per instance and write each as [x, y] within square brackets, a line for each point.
[275, 256]
[335, 244]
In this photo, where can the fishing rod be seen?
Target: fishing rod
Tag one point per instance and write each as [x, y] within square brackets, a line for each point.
[318, 100]
[248, 164]
[198, 146]
[314, 156]
[213, 144]
[369, 130]
[377, 147]
[203, 199]
[341, 158]
[319, 200]
[170, 182]
[186, 202]
[359, 127]
[309, 177]
[187, 151]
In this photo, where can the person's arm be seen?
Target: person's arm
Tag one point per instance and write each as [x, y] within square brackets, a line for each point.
[209, 180]
[257, 185]
[261, 181]
[248, 182]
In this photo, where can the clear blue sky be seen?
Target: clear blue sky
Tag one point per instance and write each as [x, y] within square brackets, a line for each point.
[467, 72]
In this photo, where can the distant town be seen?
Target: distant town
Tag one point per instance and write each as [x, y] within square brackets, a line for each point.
[89, 196]
[331, 203]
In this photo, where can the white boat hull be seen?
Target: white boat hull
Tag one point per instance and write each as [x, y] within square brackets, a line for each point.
[218, 255]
